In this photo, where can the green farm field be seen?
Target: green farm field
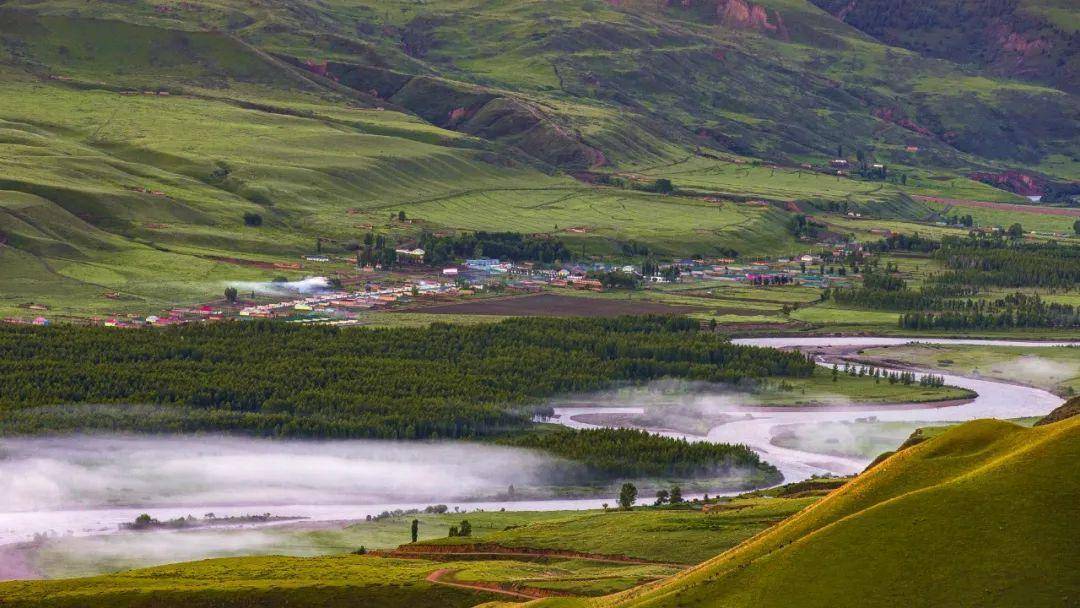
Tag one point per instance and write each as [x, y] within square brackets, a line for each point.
[1031, 220]
[662, 535]
[746, 178]
[605, 217]
[826, 314]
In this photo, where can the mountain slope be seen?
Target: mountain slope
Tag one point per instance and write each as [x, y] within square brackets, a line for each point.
[978, 516]
[579, 83]
[161, 124]
[1035, 40]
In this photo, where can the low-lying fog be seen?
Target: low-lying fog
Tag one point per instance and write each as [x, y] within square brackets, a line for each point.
[96, 472]
[63, 500]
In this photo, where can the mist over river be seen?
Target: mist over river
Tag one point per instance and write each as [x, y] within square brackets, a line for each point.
[756, 426]
[80, 486]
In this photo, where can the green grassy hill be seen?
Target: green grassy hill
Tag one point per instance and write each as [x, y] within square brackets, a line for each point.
[577, 83]
[149, 129]
[977, 516]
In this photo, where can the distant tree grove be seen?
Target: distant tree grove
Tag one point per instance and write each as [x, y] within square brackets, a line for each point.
[961, 296]
[512, 246]
[615, 453]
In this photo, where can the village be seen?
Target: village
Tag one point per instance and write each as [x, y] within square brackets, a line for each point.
[339, 292]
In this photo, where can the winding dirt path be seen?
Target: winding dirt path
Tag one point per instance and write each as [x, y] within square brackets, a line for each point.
[437, 576]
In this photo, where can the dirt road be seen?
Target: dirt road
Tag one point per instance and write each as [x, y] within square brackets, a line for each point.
[1036, 209]
[437, 577]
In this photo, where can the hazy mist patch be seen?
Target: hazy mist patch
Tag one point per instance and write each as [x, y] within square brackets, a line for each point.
[864, 438]
[309, 285]
[680, 406]
[91, 555]
[1035, 369]
[80, 472]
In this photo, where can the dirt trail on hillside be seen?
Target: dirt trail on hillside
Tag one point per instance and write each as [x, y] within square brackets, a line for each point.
[437, 576]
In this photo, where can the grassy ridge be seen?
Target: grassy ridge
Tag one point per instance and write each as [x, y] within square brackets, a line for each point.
[975, 516]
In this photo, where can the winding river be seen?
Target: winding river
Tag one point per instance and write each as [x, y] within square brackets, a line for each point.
[995, 400]
[754, 426]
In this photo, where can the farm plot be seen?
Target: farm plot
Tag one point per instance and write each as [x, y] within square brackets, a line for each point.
[555, 305]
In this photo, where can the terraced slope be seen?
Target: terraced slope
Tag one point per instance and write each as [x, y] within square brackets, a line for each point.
[979, 516]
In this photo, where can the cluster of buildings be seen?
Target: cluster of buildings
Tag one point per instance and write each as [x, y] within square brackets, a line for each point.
[798, 270]
[344, 305]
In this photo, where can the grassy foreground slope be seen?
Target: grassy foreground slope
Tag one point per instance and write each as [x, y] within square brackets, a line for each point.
[254, 581]
[978, 516]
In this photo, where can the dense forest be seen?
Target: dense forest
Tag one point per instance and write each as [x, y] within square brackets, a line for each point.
[615, 453]
[1001, 263]
[272, 379]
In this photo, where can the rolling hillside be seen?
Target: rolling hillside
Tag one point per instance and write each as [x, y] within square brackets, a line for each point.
[577, 83]
[977, 516]
[135, 135]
